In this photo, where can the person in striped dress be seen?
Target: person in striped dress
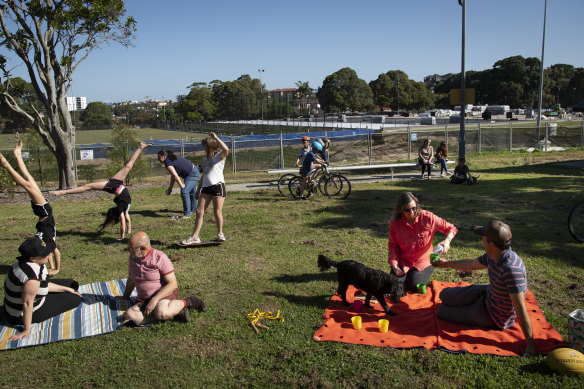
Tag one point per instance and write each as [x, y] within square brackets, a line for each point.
[28, 296]
[500, 302]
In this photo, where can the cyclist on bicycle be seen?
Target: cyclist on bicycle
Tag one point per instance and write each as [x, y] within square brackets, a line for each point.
[304, 150]
[326, 145]
[308, 165]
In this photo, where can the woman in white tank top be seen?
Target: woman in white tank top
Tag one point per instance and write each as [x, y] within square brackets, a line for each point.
[211, 187]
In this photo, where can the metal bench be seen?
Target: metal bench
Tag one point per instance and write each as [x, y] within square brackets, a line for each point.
[390, 166]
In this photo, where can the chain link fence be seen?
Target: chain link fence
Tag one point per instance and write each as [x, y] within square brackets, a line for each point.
[349, 148]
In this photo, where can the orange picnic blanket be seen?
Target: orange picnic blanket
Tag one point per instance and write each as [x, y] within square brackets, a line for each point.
[416, 325]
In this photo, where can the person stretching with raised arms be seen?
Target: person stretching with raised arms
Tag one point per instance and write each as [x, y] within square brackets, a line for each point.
[211, 187]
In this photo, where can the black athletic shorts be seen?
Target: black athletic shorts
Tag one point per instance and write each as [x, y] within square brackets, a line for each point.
[123, 201]
[41, 210]
[217, 190]
[45, 228]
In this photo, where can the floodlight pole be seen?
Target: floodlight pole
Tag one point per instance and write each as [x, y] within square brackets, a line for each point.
[462, 132]
[540, 97]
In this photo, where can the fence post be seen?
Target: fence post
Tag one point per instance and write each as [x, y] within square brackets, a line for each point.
[546, 138]
[281, 152]
[446, 133]
[182, 148]
[233, 158]
[409, 143]
[369, 145]
[479, 139]
[582, 133]
[510, 136]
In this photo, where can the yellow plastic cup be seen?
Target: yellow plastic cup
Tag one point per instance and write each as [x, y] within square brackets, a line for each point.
[383, 325]
[421, 288]
[357, 323]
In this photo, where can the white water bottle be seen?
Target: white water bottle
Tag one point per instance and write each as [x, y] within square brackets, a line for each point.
[439, 249]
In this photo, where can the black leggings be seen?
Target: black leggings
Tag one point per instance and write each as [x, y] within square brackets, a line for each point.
[415, 277]
[429, 168]
[55, 303]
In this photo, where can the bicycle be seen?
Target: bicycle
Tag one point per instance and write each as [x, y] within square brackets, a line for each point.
[576, 222]
[329, 184]
[283, 182]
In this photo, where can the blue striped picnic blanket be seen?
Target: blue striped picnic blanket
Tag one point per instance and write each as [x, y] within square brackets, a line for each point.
[99, 313]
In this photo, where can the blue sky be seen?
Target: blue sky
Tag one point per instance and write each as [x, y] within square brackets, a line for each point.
[181, 42]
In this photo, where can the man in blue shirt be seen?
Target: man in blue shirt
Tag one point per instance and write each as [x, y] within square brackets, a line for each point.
[501, 301]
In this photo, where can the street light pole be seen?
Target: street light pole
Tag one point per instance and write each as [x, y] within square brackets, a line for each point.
[260, 71]
[540, 98]
[462, 132]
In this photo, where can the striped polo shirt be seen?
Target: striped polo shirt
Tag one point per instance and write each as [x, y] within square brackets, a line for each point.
[18, 275]
[505, 277]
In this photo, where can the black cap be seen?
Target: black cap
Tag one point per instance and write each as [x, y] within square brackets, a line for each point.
[496, 231]
[36, 247]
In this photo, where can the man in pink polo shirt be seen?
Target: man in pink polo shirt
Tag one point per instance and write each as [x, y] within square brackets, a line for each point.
[151, 272]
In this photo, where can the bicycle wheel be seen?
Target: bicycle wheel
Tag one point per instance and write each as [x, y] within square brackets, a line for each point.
[576, 222]
[294, 188]
[283, 182]
[338, 187]
[322, 184]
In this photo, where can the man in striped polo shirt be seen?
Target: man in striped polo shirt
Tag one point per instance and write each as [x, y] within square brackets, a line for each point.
[501, 301]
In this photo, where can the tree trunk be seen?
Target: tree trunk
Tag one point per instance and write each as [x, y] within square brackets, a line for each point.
[66, 166]
[64, 152]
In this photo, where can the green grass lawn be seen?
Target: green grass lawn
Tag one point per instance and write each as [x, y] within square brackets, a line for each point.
[270, 264]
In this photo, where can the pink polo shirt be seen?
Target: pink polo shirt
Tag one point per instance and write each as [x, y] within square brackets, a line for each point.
[411, 245]
[148, 272]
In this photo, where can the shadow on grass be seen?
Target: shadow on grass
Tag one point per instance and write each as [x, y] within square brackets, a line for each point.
[320, 301]
[158, 213]
[574, 167]
[94, 236]
[306, 277]
[536, 208]
[264, 196]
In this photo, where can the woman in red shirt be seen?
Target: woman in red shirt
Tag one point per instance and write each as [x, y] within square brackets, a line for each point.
[411, 231]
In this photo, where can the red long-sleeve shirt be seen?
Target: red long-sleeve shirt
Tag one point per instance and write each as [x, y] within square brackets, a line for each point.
[411, 245]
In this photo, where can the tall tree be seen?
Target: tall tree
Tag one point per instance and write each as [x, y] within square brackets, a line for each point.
[577, 86]
[239, 99]
[559, 86]
[303, 91]
[343, 90]
[97, 113]
[23, 93]
[198, 105]
[394, 89]
[51, 38]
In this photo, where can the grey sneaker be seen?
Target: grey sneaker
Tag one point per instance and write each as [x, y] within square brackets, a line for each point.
[221, 237]
[183, 316]
[190, 240]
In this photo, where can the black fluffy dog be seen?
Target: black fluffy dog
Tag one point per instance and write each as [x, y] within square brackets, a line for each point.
[372, 281]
